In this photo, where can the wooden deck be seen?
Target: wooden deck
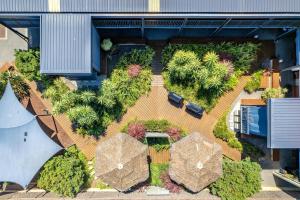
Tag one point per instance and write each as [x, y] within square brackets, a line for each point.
[252, 102]
[155, 105]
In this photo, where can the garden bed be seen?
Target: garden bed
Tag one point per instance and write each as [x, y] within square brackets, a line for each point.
[139, 128]
[201, 73]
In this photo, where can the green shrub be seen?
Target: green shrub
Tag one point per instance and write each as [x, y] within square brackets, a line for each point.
[65, 174]
[240, 180]
[157, 125]
[183, 67]
[28, 63]
[222, 131]
[18, 84]
[156, 170]
[83, 116]
[273, 93]
[101, 185]
[92, 112]
[235, 143]
[142, 57]
[242, 54]
[159, 144]
[56, 90]
[254, 83]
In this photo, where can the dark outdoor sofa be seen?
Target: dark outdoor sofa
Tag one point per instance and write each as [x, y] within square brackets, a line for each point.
[175, 98]
[194, 109]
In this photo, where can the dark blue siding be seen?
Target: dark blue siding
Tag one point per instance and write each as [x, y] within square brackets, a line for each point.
[162, 6]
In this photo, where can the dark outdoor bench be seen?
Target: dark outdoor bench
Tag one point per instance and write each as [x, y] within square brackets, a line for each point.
[175, 98]
[195, 109]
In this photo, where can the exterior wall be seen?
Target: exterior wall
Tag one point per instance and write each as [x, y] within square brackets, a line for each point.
[8, 46]
[283, 123]
[66, 44]
[158, 6]
[95, 49]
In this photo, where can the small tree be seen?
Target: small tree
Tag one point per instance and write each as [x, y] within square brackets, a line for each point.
[183, 67]
[19, 86]
[83, 116]
[240, 180]
[273, 93]
[65, 174]
[28, 63]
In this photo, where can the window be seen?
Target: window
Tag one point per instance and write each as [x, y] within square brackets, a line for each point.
[3, 33]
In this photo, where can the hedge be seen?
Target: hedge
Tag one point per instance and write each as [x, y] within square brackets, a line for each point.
[240, 180]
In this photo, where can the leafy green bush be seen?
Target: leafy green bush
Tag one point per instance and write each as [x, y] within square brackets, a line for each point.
[56, 90]
[223, 132]
[19, 86]
[28, 63]
[83, 116]
[240, 180]
[156, 170]
[157, 125]
[241, 54]
[162, 126]
[65, 174]
[273, 93]
[142, 57]
[204, 84]
[254, 83]
[92, 112]
[183, 67]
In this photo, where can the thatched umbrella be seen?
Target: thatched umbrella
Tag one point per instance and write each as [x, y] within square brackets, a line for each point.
[121, 162]
[195, 162]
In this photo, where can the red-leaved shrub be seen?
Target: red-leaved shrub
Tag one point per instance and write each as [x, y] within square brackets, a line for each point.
[134, 70]
[169, 184]
[174, 133]
[137, 130]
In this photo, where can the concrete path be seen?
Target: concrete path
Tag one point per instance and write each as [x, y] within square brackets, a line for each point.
[110, 195]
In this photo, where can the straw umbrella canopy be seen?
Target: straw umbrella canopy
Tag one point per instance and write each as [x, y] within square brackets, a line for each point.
[195, 162]
[121, 162]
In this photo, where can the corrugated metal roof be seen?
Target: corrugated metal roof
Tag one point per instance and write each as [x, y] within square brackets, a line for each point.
[159, 6]
[65, 44]
[284, 123]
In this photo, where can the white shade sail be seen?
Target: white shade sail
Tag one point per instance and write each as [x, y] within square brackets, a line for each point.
[24, 147]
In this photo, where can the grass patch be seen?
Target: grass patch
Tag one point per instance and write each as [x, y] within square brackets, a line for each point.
[156, 170]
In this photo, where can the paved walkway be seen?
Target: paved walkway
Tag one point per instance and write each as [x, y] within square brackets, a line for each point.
[203, 195]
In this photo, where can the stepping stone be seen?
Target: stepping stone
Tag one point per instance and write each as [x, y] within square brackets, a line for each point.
[156, 191]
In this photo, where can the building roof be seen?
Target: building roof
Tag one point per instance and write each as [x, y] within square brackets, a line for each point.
[121, 162]
[24, 147]
[283, 123]
[195, 162]
[66, 44]
[241, 7]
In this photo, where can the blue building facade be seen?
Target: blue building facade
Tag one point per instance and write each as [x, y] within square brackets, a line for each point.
[71, 30]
